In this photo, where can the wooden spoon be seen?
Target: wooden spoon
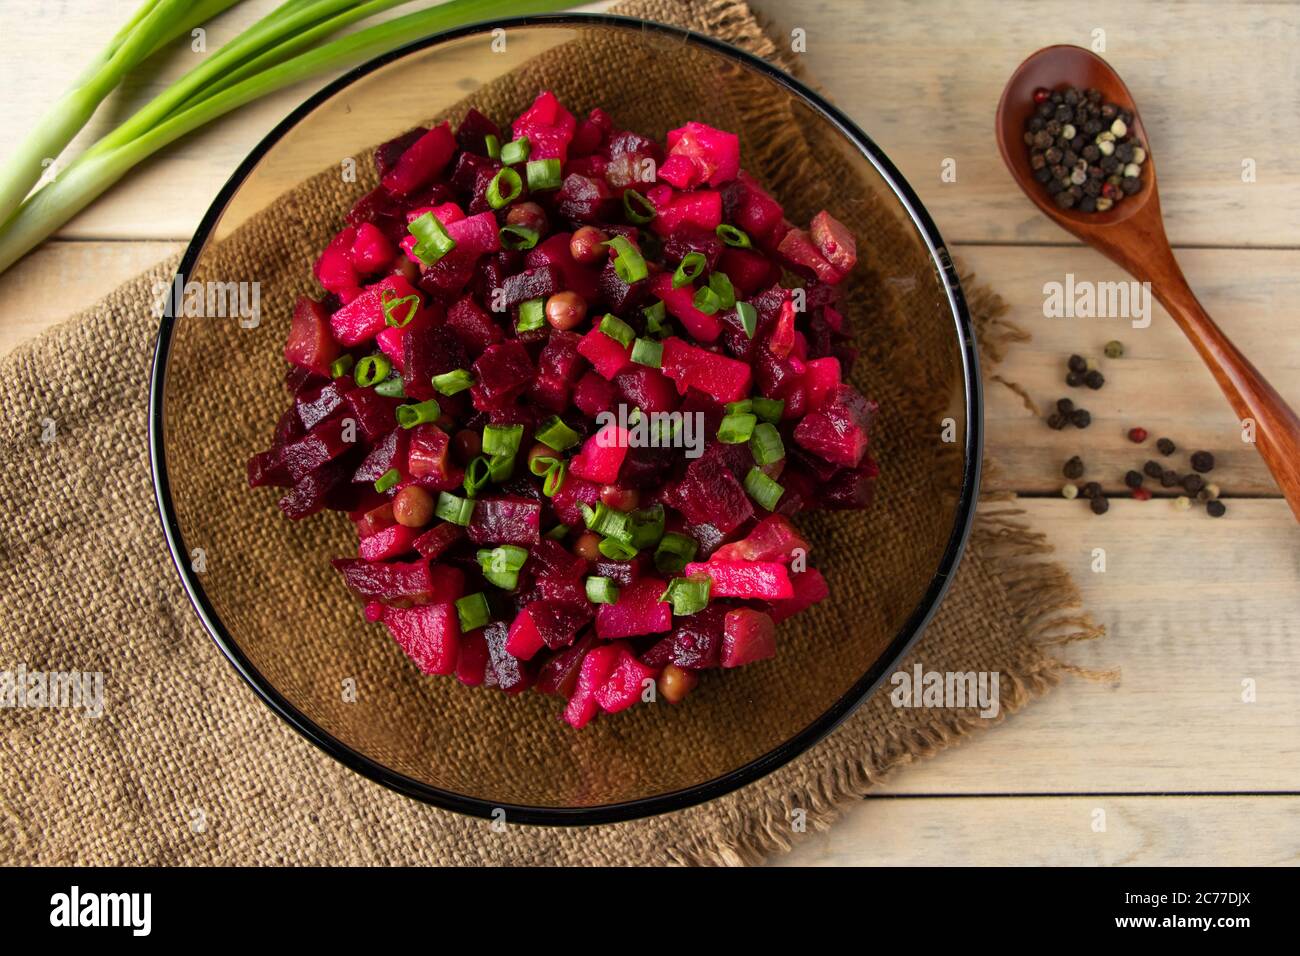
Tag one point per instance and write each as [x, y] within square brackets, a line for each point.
[1132, 234]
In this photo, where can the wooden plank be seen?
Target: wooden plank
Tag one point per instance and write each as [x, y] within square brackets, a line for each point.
[925, 89]
[925, 83]
[1147, 831]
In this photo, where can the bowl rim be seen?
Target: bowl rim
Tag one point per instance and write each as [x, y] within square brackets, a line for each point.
[754, 769]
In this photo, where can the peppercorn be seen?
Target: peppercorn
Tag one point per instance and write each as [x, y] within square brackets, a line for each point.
[1130, 185]
[1114, 349]
[1081, 418]
[1042, 139]
[1053, 156]
[1069, 491]
[1182, 502]
[1133, 479]
[1109, 111]
[1042, 94]
[1089, 202]
[1055, 421]
[1124, 152]
[1193, 483]
[1141, 494]
[1168, 478]
[1137, 435]
[1091, 153]
[1091, 490]
[1094, 380]
[1100, 505]
[1153, 469]
[1073, 468]
[1074, 379]
[1064, 199]
[1215, 508]
[1202, 461]
[1065, 406]
[1077, 363]
[1165, 446]
[1037, 161]
[1103, 204]
[1043, 175]
[1119, 128]
[1212, 490]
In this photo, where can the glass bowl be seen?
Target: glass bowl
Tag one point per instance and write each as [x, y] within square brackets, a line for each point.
[263, 585]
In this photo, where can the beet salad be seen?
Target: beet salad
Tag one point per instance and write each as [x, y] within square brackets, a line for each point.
[571, 385]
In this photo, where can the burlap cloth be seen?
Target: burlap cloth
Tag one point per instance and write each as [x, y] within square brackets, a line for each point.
[187, 766]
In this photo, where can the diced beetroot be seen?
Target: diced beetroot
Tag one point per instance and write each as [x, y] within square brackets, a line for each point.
[625, 684]
[387, 453]
[797, 249]
[773, 539]
[530, 284]
[334, 268]
[709, 494]
[411, 581]
[390, 341]
[707, 244]
[838, 431]
[619, 296]
[439, 539]
[585, 199]
[751, 208]
[680, 305]
[374, 414]
[313, 406]
[834, 241]
[427, 460]
[472, 661]
[602, 455]
[809, 589]
[309, 495]
[559, 675]
[726, 379]
[554, 251]
[647, 389]
[711, 156]
[422, 161]
[267, 468]
[548, 558]
[502, 373]
[371, 251]
[701, 209]
[596, 667]
[850, 488]
[751, 580]
[638, 610]
[505, 521]
[607, 355]
[310, 344]
[473, 326]
[593, 394]
[574, 492]
[821, 380]
[363, 318]
[748, 636]
[322, 444]
[524, 640]
[504, 671]
[429, 634]
[476, 234]
[429, 348]
[473, 131]
[781, 340]
[695, 643]
[391, 542]
[374, 515]
[556, 621]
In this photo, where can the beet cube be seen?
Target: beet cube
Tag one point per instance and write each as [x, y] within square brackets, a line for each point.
[505, 521]
[503, 372]
[838, 431]
[429, 635]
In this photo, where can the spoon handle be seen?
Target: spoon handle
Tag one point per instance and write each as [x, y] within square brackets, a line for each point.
[1276, 427]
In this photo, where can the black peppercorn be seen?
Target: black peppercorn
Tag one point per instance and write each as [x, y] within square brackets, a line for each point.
[1099, 505]
[1064, 405]
[1202, 461]
[1153, 469]
[1064, 199]
[1133, 479]
[1130, 185]
[1074, 379]
[1089, 201]
[1165, 446]
[1077, 363]
[1168, 478]
[1055, 421]
[1091, 490]
[1053, 155]
[1081, 418]
[1193, 483]
[1043, 175]
[1073, 468]
[1215, 508]
[1094, 380]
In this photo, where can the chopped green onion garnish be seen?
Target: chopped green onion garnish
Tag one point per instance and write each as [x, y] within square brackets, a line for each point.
[517, 237]
[449, 383]
[508, 178]
[473, 611]
[617, 329]
[391, 387]
[706, 300]
[733, 236]
[408, 416]
[675, 551]
[399, 312]
[647, 527]
[431, 239]
[689, 269]
[372, 370]
[721, 286]
[477, 474]
[542, 464]
[454, 509]
[543, 175]
[637, 208]
[601, 590]
[736, 429]
[515, 151]
[648, 352]
[766, 444]
[389, 478]
[555, 434]
[558, 533]
[656, 320]
[688, 595]
[493, 145]
[748, 318]
[501, 467]
[763, 489]
[610, 523]
[502, 439]
[532, 315]
[554, 479]
[616, 550]
[769, 409]
[501, 565]
[742, 407]
[341, 366]
[628, 261]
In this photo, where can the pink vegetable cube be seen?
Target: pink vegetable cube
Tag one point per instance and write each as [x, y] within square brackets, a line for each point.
[391, 542]
[423, 160]
[371, 251]
[724, 378]
[834, 241]
[712, 156]
[637, 611]
[680, 304]
[625, 684]
[310, 344]
[595, 670]
[602, 455]
[752, 580]
[429, 634]
[472, 661]
[773, 539]
[747, 636]
[607, 356]
[524, 640]
[363, 318]
[809, 589]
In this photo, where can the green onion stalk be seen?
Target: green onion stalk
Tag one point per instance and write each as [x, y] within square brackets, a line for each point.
[274, 53]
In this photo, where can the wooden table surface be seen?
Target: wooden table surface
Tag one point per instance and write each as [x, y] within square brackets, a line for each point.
[1185, 770]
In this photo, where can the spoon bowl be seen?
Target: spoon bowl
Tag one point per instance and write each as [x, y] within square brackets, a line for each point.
[1132, 234]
